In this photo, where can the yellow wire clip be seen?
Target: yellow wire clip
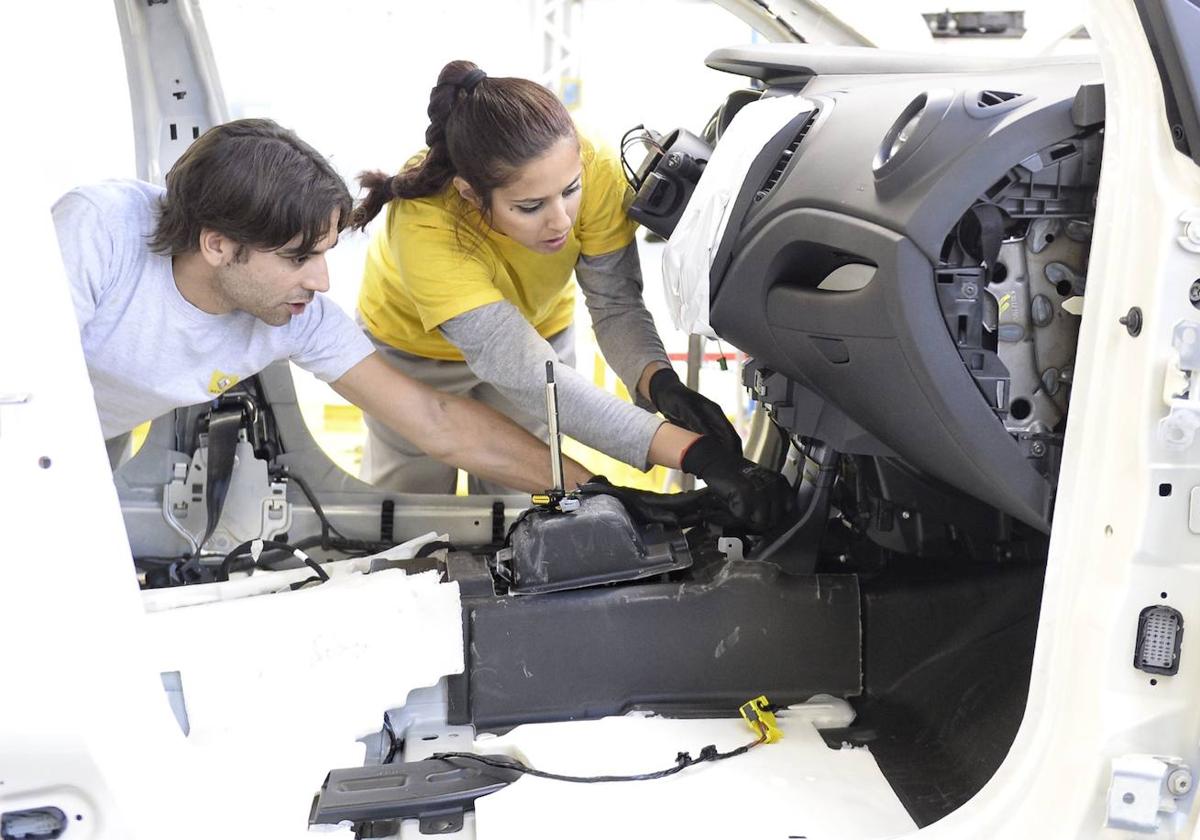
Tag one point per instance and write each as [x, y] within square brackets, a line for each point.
[759, 717]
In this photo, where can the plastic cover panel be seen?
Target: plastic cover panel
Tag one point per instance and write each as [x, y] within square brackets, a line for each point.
[671, 647]
[896, 371]
[904, 381]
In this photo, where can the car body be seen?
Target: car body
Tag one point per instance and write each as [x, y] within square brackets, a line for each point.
[996, 694]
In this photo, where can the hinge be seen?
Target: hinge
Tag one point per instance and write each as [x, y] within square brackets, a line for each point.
[1181, 389]
[1142, 788]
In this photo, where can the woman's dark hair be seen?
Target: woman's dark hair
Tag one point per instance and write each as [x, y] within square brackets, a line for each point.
[481, 129]
[254, 182]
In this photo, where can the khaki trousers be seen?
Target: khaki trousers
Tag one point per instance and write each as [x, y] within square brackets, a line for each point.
[390, 461]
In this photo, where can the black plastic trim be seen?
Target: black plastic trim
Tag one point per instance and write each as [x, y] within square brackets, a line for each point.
[1164, 22]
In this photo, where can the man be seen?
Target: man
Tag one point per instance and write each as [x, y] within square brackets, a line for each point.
[182, 293]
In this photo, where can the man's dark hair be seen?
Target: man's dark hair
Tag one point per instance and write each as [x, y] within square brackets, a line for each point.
[254, 182]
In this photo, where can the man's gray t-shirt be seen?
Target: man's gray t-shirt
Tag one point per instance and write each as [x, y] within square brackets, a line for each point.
[148, 350]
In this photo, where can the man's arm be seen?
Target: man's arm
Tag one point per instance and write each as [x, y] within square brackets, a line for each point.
[455, 430]
[472, 436]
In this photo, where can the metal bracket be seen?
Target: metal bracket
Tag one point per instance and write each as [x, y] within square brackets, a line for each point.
[1178, 429]
[1190, 240]
[731, 547]
[1142, 788]
[255, 506]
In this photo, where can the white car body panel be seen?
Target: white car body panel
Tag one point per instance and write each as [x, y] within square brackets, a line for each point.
[82, 712]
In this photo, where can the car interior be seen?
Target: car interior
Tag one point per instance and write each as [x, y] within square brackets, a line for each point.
[904, 262]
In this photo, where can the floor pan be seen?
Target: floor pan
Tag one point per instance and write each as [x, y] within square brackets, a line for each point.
[795, 789]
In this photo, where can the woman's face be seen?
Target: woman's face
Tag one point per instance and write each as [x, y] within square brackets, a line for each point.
[539, 206]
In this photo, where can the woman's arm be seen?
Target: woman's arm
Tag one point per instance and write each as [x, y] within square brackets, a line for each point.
[502, 348]
[612, 286]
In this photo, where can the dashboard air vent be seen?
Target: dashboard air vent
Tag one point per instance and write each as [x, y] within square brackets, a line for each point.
[785, 158]
[990, 98]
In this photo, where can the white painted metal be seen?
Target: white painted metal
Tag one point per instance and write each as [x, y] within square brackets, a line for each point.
[98, 736]
[1117, 545]
[1177, 431]
[1143, 787]
[796, 787]
[797, 20]
[173, 83]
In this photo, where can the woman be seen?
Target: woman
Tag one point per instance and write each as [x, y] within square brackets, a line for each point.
[467, 288]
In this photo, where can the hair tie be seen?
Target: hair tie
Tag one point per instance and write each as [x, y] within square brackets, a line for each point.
[471, 80]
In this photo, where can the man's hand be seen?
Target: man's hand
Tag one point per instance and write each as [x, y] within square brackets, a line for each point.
[684, 407]
[756, 497]
[454, 430]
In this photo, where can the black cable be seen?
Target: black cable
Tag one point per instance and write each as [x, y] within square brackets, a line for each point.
[682, 761]
[647, 140]
[245, 548]
[430, 547]
[327, 527]
[351, 548]
[393, 741]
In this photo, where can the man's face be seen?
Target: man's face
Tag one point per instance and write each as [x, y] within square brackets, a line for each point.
[275, 285]
[538, 208]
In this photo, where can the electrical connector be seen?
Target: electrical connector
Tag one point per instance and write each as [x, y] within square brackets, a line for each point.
[760, 717]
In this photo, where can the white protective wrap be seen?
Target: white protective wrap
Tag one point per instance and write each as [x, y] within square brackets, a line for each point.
[688, 256]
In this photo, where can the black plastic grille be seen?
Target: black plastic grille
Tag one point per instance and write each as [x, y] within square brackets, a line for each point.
[785, 157]
[990, 98]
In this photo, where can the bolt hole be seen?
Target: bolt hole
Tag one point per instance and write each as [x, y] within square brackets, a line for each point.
[1108, 531]
[428, 737]
[44, 462]
[476, 521]
[1020, 409]
[79, 818]
[1128, 798]
[1000, 274]
[1049, 238]
[1063, 287]
[1164, 490]
[1163, 595]
[1153, 682]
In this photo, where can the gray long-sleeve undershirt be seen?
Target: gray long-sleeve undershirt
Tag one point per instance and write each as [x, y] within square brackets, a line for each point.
[504, 349]
[612, 287]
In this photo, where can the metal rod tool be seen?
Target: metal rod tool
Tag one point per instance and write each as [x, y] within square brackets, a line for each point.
[556, 464]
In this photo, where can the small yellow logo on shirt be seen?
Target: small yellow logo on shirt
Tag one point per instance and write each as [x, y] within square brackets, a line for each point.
[221, 382]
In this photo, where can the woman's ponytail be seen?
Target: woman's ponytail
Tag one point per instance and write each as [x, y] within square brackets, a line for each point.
[430, 174]
[481, 129]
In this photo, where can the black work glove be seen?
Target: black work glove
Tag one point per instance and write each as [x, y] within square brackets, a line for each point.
[757, 498]
[674, 510]
[684, 407]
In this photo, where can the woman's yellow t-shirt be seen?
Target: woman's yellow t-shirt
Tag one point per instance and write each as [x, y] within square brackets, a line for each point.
[436, 258]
